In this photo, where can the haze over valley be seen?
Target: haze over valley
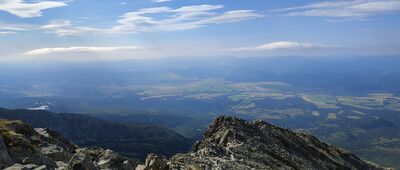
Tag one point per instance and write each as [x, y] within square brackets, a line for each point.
[148, 78]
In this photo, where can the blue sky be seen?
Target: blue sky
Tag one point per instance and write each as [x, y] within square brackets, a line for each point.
[90, 30]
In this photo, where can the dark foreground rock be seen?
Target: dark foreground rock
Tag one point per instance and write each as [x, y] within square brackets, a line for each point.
[23, 147]
[229, 143]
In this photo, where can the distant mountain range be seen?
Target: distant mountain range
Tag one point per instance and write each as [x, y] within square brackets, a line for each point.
[135, 140]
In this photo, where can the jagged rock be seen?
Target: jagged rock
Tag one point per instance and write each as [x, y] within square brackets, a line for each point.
[140, 167]
[56, 153]
[231, 143]
[21, 141]
[47, 149]
[17, 139]
[53, 137]
[81, 161]
[61, 165]
[156, 162]
[54, 146]
[108, 159]
[39, 159]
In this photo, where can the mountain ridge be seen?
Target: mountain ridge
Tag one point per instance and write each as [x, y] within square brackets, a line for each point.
[133, 140]
[232, 143]
[228, 143]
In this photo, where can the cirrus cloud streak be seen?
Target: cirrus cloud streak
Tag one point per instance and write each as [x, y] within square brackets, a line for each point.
[160, 19]
[356, 9]
[281, 45]
[46, 51]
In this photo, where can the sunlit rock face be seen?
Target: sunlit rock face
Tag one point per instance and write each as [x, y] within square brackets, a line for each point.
[232, 143]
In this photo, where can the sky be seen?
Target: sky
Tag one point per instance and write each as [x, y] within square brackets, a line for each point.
[98, 30]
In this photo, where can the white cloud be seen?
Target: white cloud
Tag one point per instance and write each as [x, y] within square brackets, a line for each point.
[15, 27]
[46, 51]
[7, 33]
[57, 24]
[187, 17]
[159, 1]
[24, 9]
[281, 45]
[344, 9]
[64, 28]
[196, 8]
[160, 19]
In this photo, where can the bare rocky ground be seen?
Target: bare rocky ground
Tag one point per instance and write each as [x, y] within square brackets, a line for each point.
[229, 143]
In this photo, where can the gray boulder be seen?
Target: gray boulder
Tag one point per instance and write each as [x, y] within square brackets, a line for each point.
[81, 161]
[39, 159]
[156, 162]
[56, 153]
[108, 159]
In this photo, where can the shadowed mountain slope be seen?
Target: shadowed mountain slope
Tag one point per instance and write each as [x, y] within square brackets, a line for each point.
[134, 140]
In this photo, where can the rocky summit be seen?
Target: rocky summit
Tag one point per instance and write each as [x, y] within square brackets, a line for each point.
[232, 143]
[229, 143]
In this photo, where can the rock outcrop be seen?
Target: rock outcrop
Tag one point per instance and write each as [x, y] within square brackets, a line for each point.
[231, 143]
[23, 147]
[154, 162]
